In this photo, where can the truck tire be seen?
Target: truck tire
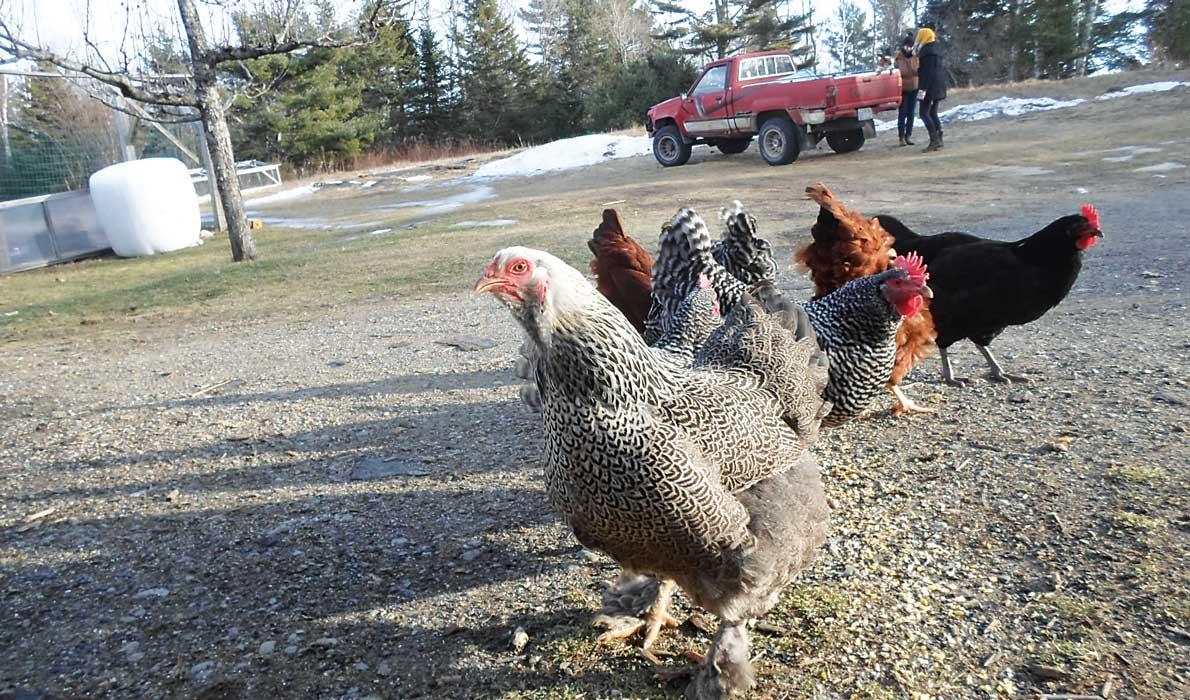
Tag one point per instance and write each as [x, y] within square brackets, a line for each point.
[845, 141]
[780, 141]
[668, 147]
[733, 146]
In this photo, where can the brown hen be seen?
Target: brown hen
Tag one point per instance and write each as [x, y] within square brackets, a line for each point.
[624, 270]
[848, 246]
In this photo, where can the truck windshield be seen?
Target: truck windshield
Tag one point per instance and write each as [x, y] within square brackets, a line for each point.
[712, 81]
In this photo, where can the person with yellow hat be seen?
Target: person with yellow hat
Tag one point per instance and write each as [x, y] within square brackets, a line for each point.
[931, 83]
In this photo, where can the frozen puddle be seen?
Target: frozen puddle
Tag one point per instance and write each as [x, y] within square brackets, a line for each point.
[1163, 86]
[314, 224]
[485, 224]
[1130, 152]
[1160, 167]
[1015, 170]
[445, 204]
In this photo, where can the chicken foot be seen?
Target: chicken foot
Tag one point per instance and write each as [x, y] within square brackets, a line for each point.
[998, 374]
[947, 373]
[906, 404]
[623, 625]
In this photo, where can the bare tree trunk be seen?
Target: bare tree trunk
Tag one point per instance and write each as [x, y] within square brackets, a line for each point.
[243, 247]
[1086, 27]
[4, 117]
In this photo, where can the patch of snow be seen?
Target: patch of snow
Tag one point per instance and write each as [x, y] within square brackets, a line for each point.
[378, 232]
[567, 154]
[1082, 190]
[1001, 106]
[1015, 170]
[282, 196]
[1160, 167]
[445, 204]
[1130, 153]
[367, 184]
[418, 178]
[1163, 86]
[484, 224]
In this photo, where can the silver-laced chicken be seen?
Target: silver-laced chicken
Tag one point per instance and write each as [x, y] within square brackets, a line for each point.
[700, 476]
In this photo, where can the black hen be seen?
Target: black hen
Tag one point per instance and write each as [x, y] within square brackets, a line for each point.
[983, 286]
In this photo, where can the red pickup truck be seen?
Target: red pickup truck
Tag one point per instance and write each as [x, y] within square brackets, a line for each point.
[763, 94]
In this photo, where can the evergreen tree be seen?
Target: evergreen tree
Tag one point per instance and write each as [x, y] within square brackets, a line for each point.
[730, 25]
[495, 75]
[388, 69]
[432, 100]
[849, 39]
[546, 21]
[1168, 22]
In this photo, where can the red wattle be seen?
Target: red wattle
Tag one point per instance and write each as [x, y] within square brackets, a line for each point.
[909, 307]
[1087, 242]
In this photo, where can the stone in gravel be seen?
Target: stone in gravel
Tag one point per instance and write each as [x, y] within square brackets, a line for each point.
[291, 650]
[467, 343]
[1049, 673]
[588, 555]
[152, 593]
[325, 642]
[336, 363]
[520, 638]
[361, 666]
[200, 671]
[472, 554]
[383, 669]
[267, 648]
[381, 468]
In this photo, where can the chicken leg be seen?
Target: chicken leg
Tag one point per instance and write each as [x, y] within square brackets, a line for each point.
[623, 625]
[906, 404]
[947, 373]
[998, 373]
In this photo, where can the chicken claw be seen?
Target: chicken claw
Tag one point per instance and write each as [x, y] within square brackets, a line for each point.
[623, 625]
[1006, 378]
[906, 404]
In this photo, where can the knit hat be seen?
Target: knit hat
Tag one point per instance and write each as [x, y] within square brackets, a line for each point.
[907, 41]
[925, 36]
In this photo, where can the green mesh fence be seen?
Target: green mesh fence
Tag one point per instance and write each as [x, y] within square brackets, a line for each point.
[39, 163]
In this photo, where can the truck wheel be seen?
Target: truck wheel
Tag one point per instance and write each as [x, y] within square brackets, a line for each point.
[668, 147]
[845, 141]
[780, 142]
[733, 146]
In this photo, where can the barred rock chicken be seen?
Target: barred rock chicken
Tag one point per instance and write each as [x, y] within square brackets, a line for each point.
[623, 268]
[846, 247]
[855, 325]
[984, 286]
[699, 476]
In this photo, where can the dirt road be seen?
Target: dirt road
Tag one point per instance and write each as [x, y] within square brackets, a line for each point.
[342, 504]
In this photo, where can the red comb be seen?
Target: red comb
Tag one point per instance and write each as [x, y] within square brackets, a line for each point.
[1091, 214]
[914, 265]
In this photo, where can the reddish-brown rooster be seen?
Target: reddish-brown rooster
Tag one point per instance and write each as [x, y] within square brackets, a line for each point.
[624, 270]
[846, 247]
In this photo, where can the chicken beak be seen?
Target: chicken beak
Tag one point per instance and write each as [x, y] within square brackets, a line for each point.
[486, 284]
[926, 292]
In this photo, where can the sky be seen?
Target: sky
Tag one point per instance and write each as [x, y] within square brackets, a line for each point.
[59, 24]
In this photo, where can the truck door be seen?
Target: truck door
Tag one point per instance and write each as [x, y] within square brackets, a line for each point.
[709, 99]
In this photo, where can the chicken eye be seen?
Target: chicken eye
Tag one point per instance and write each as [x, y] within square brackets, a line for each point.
[519, 267]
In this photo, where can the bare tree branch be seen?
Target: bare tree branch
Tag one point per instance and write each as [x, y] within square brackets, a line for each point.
[377, 19]
[18, 49]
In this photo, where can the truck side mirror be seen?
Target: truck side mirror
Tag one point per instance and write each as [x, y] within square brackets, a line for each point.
[685, 96]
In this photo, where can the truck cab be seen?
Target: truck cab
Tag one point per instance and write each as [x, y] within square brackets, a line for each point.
[765, 95]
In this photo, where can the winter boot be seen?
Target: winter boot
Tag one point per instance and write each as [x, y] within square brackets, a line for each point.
[939, 140]
[933, 146]
[908, 141]
[901, 141]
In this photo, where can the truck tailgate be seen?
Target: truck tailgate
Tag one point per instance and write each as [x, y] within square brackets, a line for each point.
[875, 91]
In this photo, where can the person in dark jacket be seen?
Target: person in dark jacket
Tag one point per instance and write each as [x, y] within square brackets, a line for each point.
[931, 84]
[907, 65]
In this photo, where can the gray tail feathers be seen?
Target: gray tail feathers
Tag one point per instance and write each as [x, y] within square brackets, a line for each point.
[727, 671]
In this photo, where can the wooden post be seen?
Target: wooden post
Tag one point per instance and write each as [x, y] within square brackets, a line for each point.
[212, 183]
[123, 134]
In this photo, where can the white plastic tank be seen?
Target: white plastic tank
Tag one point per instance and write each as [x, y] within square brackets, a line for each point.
[147, 206]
